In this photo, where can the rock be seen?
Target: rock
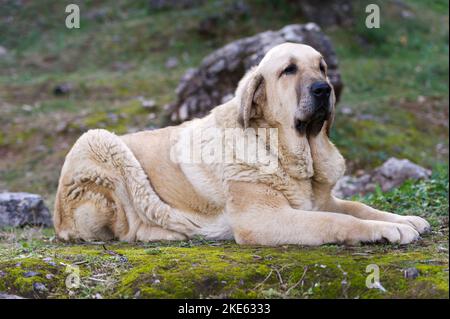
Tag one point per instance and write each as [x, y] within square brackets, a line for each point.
[346, 110]
[40, 287]
[396, 171]
[8, 296]
[392, 173]
[62, 89]
[49, 276]
[348, 186]
[147, 103]
[216, 78]
[3, 52]
[30, 274]
[20, 209]
[411, 273]
[171, 63]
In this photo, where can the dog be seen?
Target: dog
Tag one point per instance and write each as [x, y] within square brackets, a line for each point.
[146, 187]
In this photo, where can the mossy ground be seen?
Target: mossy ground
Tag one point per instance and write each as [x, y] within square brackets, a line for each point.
[199, 269]
[214, 269]
[396, 102]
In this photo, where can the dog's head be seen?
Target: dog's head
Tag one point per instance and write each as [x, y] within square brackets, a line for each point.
[290, 88]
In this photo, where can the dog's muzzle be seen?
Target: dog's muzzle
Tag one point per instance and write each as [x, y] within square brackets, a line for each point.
[320, 110]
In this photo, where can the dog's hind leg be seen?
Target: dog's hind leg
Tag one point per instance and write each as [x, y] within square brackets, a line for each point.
[101, 175]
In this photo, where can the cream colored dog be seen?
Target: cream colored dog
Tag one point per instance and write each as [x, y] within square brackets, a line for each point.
[145, 187]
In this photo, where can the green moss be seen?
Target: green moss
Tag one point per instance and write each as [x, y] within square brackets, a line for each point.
[202, 269]
[15, 281]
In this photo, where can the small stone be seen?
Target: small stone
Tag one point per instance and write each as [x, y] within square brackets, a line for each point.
[62, 89]
[98, 296]
[30, 274]
[346, 110]
[122, 259]
[171, 63]
[411, 273]
[27, 108]
[113, 117]
[3, 52]
[49, 276]
[147, 103]
[156, 282]
[37, 286]
[442, 249]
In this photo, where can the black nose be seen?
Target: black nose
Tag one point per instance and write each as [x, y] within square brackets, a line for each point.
[321, 90]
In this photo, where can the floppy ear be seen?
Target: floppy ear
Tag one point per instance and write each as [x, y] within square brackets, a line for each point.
[251, 93]
[330, 118]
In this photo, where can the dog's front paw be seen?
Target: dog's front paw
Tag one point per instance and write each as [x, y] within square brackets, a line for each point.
[391, 232]
[418, 223]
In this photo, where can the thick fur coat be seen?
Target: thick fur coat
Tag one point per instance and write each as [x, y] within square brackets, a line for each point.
[147, 186]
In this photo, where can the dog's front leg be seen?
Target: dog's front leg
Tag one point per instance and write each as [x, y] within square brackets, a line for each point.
[363, 211]
[260, 215]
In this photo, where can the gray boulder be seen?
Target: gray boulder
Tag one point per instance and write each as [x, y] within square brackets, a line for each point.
[8, 296]
[21, 209]
[215, 80]
[394, 172]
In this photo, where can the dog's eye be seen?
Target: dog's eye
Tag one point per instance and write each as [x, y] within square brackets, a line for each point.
[322, 68]
[291, 69]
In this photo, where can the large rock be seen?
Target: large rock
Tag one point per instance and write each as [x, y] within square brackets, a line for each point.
[394, 172]
[8, 296]
[215, 80]
[21, 209]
